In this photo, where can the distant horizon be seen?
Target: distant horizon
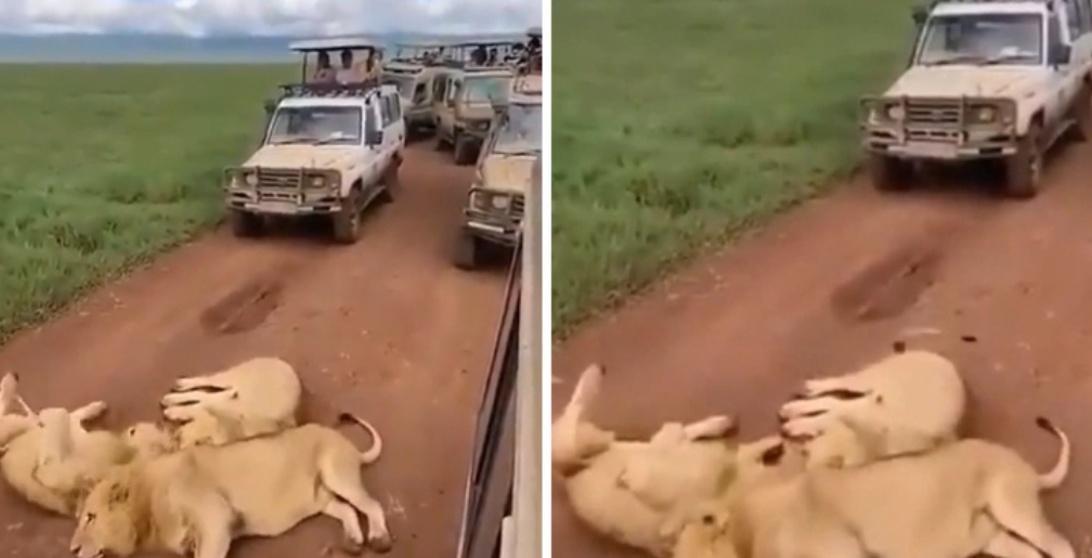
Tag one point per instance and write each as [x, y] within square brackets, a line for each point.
[157, 48]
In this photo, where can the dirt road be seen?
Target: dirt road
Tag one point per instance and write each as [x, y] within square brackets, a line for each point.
[386, 328]
[831, 285]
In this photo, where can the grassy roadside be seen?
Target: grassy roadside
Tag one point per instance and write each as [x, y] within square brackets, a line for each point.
[679, 123]
[104, 166]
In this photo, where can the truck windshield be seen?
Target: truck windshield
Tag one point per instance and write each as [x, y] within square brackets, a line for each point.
[521, 131]
[316, 125]
[404, 84]
[983, 39]
[487, 89]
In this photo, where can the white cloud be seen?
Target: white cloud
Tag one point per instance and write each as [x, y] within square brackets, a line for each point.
[268, 17]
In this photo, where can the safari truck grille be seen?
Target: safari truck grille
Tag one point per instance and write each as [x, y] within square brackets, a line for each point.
[517, 207]
[275, 179]
[933, 113]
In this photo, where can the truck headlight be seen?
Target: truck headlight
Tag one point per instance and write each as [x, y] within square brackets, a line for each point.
[501, 201]
[250, 178]
[318, 181]
[984, 114]
[895, 112]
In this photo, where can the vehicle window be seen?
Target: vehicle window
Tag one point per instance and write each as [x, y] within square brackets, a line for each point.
[487, 90]
[419, 94]
[520, 131]
[372, 124]
[385, 108]
[1073, 16]
[453, 91]
[1086, 15]
[316, 125]
[396, 107]
[440, 88]
[983, 39]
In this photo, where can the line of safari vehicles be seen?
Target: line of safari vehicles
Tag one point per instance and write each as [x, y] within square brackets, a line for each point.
[988, 81]
[332, 149]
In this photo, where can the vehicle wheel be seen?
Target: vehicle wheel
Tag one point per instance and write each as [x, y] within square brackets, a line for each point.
[1024, 170]
[347, 221]
[245, 224]
[889, 173]
[1082, 113]
[467, 252]
[441, 143]
[464, 152]
[390, 185]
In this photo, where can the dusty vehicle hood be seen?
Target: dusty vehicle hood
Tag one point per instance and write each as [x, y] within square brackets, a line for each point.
[978, 81]
[475, 111]
[508, 173]
[330, 157]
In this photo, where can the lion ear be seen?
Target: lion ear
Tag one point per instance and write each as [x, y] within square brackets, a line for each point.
[118, 493]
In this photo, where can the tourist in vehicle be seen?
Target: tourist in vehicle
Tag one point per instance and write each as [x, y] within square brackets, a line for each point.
[372, 66]
[479, 56]
[324, 73]
[492, 61]
[348, 73]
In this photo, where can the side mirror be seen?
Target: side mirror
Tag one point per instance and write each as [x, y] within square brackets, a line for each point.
[920, 14]
[1060, 54]
[270, 106]
[373, 137]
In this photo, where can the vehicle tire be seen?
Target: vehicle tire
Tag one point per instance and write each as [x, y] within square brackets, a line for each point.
[1082, 113]
[441, 143]
[890, 174]
[467, 252]
[346, 223]
[245, 224]
[1024, 170]
[464, 151]
[390, 185]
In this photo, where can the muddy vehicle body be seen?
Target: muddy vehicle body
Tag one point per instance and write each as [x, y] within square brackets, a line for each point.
[413, 70]
[502, 501]
[997, 80]
[465, 108]
[494, 209]
[328, 150]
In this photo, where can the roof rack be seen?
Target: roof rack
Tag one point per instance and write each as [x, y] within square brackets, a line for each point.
[329, 90]
[336, 43]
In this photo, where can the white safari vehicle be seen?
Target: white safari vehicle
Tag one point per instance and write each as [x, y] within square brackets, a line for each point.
[413, 69]
[988, 79]
[495, 204]
[329, 149]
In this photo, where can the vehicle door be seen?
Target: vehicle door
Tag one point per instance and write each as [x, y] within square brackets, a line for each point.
[447, 115]
[394, 133]
[1066, 79]
[373, 136]
[439, 93]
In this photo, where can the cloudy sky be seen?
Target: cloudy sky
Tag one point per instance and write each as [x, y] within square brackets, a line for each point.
[267, 17]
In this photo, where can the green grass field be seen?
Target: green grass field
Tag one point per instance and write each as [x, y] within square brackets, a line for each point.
[678, 123]
[103, 166]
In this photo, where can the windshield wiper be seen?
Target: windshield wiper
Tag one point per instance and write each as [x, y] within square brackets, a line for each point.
[1005, 58]
[295, 141]
[955, 60]
[332, 139]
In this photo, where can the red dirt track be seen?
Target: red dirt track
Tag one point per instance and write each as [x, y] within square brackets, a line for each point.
[829, 286]
[387, 328]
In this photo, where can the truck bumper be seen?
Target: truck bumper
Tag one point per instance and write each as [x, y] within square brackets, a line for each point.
[940, 151]
[299, 205]
[498, 230]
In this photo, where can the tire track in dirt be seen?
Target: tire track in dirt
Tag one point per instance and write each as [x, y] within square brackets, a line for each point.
[387, 328]
[829, 286]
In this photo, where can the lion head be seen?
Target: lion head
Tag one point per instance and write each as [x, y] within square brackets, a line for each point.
[110, 519]
[150, 439]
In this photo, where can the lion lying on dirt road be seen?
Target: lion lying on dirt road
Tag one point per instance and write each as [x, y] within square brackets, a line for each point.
[196, 501]
[256, 397]
[50, 459]
[636, 492]
[961, 499]
[906, 403]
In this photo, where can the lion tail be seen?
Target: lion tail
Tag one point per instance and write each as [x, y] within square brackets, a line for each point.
[372, 455]
[1057, 474]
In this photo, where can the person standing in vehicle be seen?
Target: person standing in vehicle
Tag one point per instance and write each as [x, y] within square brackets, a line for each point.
[348, 73]
[479, 56]
[324, 73]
